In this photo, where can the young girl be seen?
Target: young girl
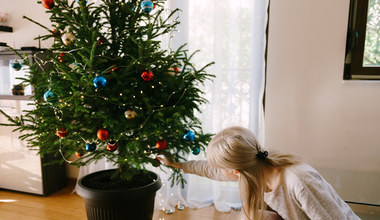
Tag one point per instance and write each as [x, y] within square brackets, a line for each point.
[288, 186]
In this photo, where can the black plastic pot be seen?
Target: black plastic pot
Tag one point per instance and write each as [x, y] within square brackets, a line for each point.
[123, 204]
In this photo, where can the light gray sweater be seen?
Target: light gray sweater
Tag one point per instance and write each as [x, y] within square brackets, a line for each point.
[303, 193]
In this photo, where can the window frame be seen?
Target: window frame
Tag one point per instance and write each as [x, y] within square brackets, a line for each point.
[357, 24]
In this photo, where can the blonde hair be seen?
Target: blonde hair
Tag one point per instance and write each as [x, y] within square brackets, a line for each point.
[237, 148]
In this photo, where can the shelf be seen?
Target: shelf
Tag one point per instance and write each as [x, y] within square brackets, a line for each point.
[6, 28]
[15, 97]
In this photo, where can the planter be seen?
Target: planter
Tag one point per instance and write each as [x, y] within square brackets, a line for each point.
[136, 203]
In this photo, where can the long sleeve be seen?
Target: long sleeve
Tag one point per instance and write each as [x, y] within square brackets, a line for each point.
[304, 194]
[320, 201]
[203, 168]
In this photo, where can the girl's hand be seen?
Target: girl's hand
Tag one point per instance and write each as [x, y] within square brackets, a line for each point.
[169, 162]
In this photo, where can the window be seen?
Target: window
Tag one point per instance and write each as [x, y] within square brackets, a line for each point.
[363, 40]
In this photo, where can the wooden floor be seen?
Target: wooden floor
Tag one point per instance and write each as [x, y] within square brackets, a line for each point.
[64, 205]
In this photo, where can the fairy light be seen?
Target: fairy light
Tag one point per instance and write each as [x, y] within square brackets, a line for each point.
[60, 151]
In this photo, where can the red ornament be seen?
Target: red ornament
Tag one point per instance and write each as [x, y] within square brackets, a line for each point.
[54, 32]
[61, 132]
[161, 145]
[103, 134]
[60, 57]
[101, 41]
[176, 69]
[112, 146]
[48, 4]
[147, 76]
[80, 153]
[113, 70]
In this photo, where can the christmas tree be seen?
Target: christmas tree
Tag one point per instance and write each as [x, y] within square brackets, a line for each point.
[107, 89]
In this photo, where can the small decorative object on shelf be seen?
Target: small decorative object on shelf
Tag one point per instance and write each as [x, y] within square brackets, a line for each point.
[16, 66]
[18, 89]
[3, 18]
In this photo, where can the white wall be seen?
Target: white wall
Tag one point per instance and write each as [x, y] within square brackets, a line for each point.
[24, 31]
[310, 110]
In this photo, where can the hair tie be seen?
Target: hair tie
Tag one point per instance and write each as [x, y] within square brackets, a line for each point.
[262, 155]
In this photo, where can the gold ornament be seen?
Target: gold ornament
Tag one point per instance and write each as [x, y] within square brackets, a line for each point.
[68, 39]
[173, 71]
[130, 114]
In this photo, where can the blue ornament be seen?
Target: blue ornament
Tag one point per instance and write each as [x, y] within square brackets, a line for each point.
[80, 1]
[16, 66]
[100, 82]
[189, 136]
[130, 4]
[90, 147]
[196, 150]
[49, 96]
[146, 6]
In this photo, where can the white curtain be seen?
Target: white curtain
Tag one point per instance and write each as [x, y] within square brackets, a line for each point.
[231, 33]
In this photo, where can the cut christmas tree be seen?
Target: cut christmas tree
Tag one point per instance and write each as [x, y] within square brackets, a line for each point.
[107, 89]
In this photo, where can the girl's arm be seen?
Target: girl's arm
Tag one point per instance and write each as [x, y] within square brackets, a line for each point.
[197, 167]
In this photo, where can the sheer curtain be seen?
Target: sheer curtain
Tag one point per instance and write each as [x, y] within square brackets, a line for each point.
[231, 33]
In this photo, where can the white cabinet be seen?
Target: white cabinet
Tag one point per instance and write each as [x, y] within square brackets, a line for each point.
[22, 169]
